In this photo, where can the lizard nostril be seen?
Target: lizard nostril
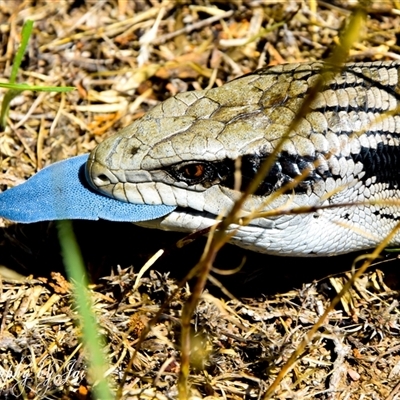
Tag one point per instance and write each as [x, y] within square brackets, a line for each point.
[101, 179]
[104, 178]
[98, 176]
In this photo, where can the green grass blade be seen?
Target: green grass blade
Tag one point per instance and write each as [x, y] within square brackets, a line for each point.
[94, 350]
[5, 106]
[35, 88]
[16, 88]
[25, 35]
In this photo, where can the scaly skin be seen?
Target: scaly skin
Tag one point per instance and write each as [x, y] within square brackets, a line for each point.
[182, 153]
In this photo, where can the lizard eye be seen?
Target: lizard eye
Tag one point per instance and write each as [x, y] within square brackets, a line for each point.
[192, 173]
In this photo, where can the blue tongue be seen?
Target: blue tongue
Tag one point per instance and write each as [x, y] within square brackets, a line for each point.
[60, 191]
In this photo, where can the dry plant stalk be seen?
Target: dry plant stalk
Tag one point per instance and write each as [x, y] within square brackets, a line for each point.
[219, 237]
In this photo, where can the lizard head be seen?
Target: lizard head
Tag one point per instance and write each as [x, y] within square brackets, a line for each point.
[199, 150]
[183, 151]
[195, 148]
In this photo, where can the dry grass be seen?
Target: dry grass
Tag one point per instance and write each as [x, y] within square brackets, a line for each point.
[124, 57]
[238, 346]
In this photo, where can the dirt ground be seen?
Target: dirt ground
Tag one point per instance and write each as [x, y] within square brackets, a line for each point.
[124, 57]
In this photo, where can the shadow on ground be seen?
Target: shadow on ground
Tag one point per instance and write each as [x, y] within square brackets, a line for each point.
[34, 249]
